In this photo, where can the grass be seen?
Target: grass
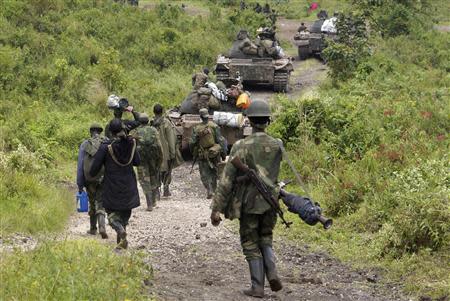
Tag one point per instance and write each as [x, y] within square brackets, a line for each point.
[73, 270]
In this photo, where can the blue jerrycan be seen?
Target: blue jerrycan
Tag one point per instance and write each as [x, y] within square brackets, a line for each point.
[82, 202]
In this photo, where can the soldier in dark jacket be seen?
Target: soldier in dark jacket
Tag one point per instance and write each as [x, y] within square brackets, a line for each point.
[120, 194]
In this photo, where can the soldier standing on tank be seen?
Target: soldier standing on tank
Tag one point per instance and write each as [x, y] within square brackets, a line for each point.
[92, 184]
[257, 219]
[208, 147]
[199, 79]
[168, 137]
[302, 27]
[150, 150]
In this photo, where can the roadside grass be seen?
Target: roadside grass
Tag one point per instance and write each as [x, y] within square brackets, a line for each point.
[73, 270]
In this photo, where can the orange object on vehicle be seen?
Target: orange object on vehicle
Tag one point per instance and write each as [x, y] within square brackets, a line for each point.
[243, 101]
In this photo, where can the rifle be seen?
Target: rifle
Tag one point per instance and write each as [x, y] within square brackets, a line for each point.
[262, 188]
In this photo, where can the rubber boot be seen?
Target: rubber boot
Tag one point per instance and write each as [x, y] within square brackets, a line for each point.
[156, 196]
[149, 197]
[101, 225]
[209, 191]
[166, 192]
[122, 242]
[270, 268]
[256, 267]
[93, 222]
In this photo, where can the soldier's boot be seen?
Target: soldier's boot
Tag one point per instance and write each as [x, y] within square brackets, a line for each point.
[270, 268]
[102, 225]
[149, 197]
[93, 227]
[122, 242]
[214, 185]
[166, 192]
[156, 196]
[256, 267]
[209, 191]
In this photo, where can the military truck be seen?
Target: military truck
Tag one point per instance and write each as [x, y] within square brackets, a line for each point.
[312, 42]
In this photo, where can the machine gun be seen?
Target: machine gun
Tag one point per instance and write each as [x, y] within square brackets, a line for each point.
[263, 189]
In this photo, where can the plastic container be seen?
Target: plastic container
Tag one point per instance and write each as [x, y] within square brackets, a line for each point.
[82, 201]
[234, 120]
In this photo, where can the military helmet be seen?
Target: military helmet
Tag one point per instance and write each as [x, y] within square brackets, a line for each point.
[258, 108]
[143, 118]
[96, 126]
[203, 113]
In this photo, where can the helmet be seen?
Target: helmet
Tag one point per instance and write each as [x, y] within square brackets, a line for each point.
[203, 113]
[258, 108]
[96, 126]
[113, 101]
[143, 118]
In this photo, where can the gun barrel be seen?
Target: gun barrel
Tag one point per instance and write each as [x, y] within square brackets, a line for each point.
[326, 222]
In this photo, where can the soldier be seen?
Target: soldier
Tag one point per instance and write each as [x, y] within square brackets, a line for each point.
[208, 146]
[257, 219]
[150, 150]
[199, 79]
[171, 154]
[120, 194]
[92, 184]
[302, 27]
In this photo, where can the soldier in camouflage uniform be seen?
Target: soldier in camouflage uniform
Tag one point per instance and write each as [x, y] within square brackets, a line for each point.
[208, 146]
[150, 149]
[263, 154]
[199, 79]
[92, 184]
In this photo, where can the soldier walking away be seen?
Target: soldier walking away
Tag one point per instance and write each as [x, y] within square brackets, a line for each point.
[171, 154]
[93, 185]
[199, 79]
[150, 150]
[120, 194]
[241, 199]
[208, 147]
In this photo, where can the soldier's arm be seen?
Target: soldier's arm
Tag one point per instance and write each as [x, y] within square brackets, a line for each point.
[99, 160]
[171, 139]
[220, 139]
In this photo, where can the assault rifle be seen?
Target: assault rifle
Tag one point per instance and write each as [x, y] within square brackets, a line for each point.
[250, 174]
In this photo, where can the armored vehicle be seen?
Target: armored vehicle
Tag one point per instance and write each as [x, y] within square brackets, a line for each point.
[312, 42]
[258, 62]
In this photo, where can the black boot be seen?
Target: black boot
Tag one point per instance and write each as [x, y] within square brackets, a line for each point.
[122, 242]
[270, 268]
[93, 222]
[149, 198]
[101, 225]
[166, 192]
[256, 267]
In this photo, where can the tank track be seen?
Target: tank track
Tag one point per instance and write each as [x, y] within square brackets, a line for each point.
[281, 81]
[222, 74]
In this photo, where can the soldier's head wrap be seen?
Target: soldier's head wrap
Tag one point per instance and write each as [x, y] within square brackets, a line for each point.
[203, 113]
[143, 118]
[96, 127]
[115, 126]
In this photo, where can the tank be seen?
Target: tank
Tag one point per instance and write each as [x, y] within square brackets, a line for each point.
[312, 42]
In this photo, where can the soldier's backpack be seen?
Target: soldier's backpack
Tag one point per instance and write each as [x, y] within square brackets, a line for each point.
[206, 136]
[149, 146]
[91, 147]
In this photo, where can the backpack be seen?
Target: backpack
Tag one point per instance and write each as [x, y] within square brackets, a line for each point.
[206, 136]
[149, 145]
[90, 149]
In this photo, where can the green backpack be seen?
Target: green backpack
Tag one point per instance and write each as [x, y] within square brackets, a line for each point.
[90, 149]
[149, 146]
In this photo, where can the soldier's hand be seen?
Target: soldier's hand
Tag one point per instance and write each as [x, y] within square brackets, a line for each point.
[129, 109]
[215, 218]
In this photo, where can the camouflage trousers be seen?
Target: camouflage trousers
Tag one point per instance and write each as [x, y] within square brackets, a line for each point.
[166, 176]
[256, 230]
[149, 178]
[208, 172]
[94, 191]
[120, 216]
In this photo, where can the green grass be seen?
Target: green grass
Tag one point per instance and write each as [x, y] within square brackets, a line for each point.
[73, 270]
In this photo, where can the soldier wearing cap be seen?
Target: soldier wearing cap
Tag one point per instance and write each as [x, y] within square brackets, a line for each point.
[208, 146]
[241, 200]
[92, 184]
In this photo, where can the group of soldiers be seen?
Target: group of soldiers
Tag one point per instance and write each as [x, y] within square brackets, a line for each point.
[151, 145]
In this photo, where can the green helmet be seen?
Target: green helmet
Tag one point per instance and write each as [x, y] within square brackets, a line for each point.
[96, 126]
[258, 108]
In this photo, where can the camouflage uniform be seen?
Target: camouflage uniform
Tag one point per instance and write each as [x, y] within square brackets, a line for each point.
[199, 80]
[150, 149]
[207, 164]
[257, 219]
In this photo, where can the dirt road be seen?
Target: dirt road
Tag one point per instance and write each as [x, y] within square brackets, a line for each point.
[193, 260]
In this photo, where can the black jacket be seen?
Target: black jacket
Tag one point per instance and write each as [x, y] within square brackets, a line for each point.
[119, 182]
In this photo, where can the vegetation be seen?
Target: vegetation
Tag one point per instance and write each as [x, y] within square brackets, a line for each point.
[73, 270]
[374, 148]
